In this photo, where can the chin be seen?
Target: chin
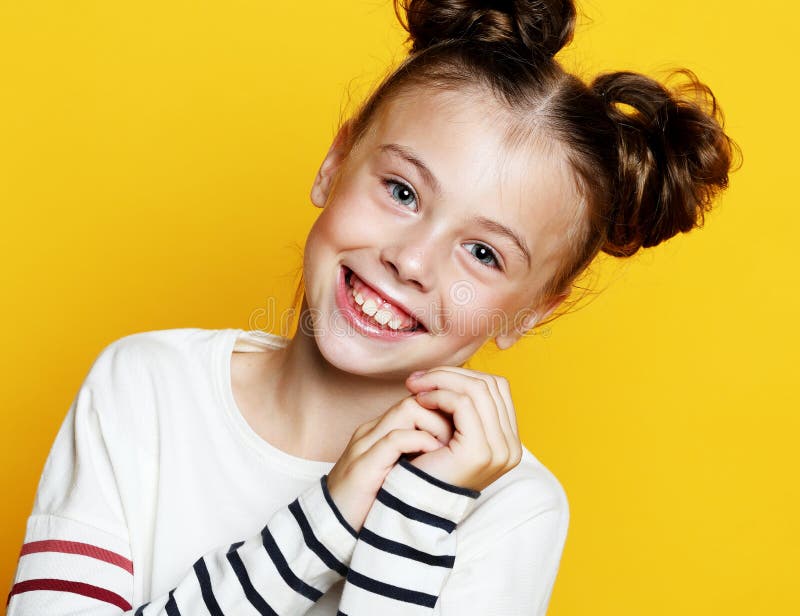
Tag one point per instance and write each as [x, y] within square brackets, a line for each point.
[346, 352]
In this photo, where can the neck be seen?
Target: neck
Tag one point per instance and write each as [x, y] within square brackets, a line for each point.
[317, 406]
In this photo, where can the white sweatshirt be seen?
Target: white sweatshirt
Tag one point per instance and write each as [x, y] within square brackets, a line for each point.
[158, 498]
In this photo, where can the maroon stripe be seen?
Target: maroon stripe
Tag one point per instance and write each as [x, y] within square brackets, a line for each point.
[74, 547]
[79, 588]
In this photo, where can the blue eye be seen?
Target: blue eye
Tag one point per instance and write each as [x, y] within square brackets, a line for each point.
[400, 192]
[484, 252]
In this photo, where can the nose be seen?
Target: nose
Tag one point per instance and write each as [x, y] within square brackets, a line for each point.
[409, 263]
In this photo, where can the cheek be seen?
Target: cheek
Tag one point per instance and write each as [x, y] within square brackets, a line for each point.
[474, 311]
[353, 217]
[337, 230]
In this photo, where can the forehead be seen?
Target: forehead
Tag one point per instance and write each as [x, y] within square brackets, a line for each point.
[520, 178]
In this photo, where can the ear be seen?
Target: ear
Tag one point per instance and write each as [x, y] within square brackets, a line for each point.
[504, 340]
[321, 188]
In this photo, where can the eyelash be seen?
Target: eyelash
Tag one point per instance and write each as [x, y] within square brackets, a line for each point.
[389, 182]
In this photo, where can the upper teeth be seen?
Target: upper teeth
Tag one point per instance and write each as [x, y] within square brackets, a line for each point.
[383, 317]
[370, 308]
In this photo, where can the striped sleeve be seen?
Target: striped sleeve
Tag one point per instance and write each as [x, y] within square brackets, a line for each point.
[66, 567]
[407, 546]
[302, 551]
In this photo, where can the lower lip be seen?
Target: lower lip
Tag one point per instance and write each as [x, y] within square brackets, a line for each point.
[352, 312]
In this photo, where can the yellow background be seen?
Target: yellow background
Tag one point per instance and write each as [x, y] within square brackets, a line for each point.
[155, 164]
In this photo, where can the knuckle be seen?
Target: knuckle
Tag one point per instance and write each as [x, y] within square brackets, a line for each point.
[395, 435]
[478, 388]
[420, 414]
[463, 399]
[508, 458]
[483, 458]
[356, 451]
[405, 405]
[361, 443]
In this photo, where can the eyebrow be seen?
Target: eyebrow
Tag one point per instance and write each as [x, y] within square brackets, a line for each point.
[501, 229]
[487, 223]
[408, 155]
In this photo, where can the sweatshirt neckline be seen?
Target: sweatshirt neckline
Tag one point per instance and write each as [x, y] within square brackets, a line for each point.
[262, 340]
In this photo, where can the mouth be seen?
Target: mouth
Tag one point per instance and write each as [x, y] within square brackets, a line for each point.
[372, 314]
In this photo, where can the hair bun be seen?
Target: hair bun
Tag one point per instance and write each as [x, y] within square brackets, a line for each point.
[529, 26]
[674, 156]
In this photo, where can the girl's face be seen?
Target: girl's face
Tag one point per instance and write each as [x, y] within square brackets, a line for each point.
[433, 212]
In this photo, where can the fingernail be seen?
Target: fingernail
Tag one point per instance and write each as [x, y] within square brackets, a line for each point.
[415, 374]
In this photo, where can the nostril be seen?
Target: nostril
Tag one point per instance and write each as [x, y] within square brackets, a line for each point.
[394, 267]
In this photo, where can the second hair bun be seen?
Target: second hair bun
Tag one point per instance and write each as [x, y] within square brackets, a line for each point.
[531, 27]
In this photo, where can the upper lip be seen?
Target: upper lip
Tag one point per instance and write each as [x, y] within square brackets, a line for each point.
[388, 297]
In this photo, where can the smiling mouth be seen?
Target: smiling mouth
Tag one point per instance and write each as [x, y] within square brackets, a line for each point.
[415, 327]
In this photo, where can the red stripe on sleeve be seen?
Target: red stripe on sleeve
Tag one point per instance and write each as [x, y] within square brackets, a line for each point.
[74, 547]
[79, 588]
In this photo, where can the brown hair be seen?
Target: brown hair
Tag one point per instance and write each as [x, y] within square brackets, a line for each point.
[647, 160]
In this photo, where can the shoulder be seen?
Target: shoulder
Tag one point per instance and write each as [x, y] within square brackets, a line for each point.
[141, 354]
[137, 378]
[526, 492]
[139, 383]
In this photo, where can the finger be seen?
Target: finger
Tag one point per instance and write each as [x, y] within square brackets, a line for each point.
[409, 414]
[505, 391]
[484, 402]
[386, 450]
[367, 426]
[506, 416]
[469, 428]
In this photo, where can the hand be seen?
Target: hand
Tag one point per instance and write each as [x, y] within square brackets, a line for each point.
[485, 444]
[373, 450]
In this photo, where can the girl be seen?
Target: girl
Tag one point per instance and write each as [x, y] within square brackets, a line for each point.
[235, 472]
